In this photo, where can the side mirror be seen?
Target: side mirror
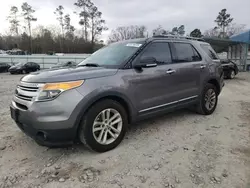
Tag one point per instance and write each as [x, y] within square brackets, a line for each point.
[146, 62]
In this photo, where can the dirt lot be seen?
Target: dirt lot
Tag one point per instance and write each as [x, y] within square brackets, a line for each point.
[181, 149]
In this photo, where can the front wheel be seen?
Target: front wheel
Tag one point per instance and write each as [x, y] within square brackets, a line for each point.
[104, 126]
[208, 100]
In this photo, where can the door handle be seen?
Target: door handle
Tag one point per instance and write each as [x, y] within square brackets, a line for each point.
[203, 66]
[170, 71]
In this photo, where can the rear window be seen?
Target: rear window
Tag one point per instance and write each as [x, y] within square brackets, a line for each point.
[209, 51]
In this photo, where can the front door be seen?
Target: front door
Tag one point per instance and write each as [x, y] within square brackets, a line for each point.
[154, 87]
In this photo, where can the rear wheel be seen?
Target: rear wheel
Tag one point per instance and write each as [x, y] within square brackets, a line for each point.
[104, 126]
[231, 74]
[208, 100]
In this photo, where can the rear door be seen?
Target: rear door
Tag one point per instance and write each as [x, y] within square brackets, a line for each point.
[187, 63]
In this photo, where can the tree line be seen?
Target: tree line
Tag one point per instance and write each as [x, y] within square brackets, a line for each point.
[68, 39]
[224, 28]
[49, 40]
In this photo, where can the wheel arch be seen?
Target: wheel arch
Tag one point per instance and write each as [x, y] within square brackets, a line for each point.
[215, 83]
[116, 96]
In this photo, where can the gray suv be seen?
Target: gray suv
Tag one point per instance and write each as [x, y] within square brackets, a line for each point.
[119, 84]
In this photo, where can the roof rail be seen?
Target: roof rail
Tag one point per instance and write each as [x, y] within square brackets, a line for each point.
[178, 37]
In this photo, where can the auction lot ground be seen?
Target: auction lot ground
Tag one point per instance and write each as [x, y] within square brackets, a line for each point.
[181, 149]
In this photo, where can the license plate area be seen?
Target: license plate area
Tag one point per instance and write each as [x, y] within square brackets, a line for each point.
[14, 114]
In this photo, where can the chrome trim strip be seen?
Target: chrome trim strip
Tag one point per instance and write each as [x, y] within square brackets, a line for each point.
[147, 109]
[167, 104]
[195, 96]
[26, 93]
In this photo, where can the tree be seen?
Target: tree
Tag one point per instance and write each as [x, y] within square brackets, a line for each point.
[68, 27]
[97, 24]
[175, 31]
[160, 31]
[28, 16]
[127, 32]
[234, 29]
[196, 33]
[178, 30]
[59, 13]
[181, 30]
[84, 16]
[223, 20]
[14, 22]
[212, 32]
[69, 35]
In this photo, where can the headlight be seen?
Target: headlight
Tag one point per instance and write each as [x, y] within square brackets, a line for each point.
[52, 90]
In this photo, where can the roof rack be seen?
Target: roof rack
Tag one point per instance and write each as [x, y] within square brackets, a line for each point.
[177, 37]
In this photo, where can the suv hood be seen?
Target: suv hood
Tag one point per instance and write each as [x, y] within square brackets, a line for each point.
[68, 74]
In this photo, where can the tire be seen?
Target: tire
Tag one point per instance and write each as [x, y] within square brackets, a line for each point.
[86, 131]
[231, 74]
[201, 107]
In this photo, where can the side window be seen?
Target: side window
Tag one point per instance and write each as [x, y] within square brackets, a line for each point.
[209, 51]
[185, 52]
[160, 51]
[196, 56]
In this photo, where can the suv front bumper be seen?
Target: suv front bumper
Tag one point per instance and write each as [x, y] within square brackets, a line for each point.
[51, 123]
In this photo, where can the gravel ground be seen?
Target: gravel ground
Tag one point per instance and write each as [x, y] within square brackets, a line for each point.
[180, 149]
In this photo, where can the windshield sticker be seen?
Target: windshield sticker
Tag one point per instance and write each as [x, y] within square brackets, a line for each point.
[136, 45]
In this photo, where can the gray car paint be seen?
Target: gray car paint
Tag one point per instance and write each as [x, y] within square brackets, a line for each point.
[68, 74]
[144, 91]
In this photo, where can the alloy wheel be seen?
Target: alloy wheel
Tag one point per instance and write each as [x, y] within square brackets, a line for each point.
[232, 74]
[107, 126]
[210, 99]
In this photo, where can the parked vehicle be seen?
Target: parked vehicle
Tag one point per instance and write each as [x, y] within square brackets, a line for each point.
[2, 52]
[230, 68]
[24, 68]
[65, 64]
[118, 85]
[16, 51]
[4, 67]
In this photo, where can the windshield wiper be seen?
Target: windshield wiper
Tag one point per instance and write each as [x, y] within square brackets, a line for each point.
[89, 65]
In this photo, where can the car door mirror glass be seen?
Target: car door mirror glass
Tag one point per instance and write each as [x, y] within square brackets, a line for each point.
[146, 62]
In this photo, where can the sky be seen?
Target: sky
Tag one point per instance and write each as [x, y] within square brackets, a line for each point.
[191, 13]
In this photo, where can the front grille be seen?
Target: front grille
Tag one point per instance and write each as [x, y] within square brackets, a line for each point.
[27, 91]
[23, 97]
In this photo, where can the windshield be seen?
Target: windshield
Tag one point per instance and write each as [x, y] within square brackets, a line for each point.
[19, 64]
[112, 55]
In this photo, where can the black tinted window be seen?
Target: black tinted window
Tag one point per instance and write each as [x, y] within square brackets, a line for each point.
[209, 51]
[185, 52]
[160, 51]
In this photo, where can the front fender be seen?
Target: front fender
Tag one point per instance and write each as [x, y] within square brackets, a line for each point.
[95, 96]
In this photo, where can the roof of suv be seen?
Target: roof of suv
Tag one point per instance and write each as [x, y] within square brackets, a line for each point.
[168, 38]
